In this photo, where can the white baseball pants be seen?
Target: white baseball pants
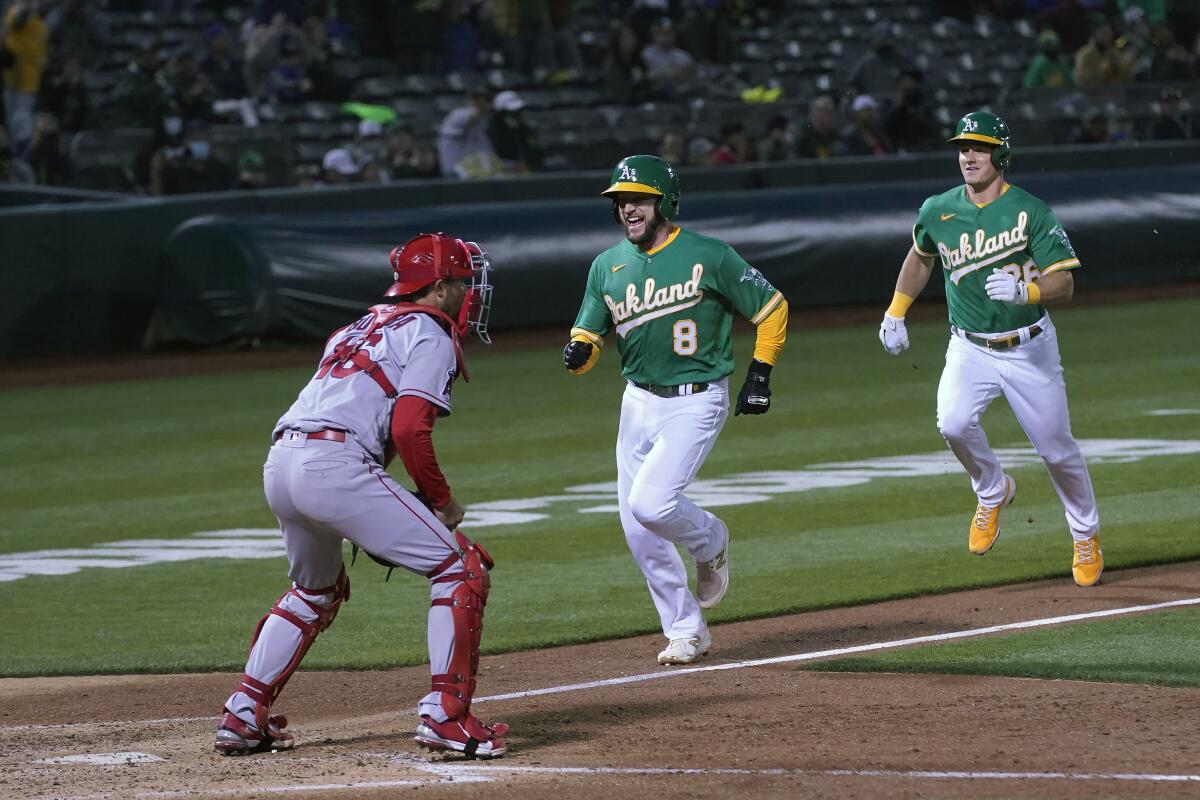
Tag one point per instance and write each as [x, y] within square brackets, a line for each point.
[661, 444]
[1030, 376]
[323, 492]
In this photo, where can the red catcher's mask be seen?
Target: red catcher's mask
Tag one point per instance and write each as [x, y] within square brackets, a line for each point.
[429, 257]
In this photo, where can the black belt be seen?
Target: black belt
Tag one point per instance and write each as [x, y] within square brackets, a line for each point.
[1003, 342]
[672, 391]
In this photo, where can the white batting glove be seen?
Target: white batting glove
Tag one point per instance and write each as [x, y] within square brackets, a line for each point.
[1004, 287]
[893, 335]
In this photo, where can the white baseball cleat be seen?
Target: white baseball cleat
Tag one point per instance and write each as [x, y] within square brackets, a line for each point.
[687, 650]
[712, 576]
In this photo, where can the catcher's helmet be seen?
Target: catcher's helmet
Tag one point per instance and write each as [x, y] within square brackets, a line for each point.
[649, 175]
[981, 126]
[429, 257]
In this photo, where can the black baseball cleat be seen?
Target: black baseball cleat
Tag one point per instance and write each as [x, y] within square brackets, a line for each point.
[238, 738]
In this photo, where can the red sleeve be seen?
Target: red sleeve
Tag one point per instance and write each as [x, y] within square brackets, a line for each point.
[412, 426]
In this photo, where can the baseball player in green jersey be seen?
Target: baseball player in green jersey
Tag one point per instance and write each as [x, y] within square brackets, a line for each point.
[1005, 258]
[669, 295]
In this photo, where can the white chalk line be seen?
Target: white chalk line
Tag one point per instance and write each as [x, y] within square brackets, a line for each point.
[842, 651]
[673, 672]
[462, 772]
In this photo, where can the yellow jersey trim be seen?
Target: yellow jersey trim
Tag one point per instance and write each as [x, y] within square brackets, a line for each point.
[1003, 192]
[767, 308]
[670, 238]
[1066, 263]
[587, 336]
[920, 252]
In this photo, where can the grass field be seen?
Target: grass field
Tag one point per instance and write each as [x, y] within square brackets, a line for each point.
[164, 459]
[1158, 649]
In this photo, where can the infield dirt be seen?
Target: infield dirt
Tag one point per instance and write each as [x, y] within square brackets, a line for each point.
[764, 731]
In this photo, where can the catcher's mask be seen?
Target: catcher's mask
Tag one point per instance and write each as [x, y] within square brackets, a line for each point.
[981, 126]
[429, 257]
[647, 175]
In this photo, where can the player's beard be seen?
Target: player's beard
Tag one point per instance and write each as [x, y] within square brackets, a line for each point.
[650, 229]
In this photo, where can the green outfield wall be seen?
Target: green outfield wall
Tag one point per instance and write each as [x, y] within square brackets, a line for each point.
[111, 274]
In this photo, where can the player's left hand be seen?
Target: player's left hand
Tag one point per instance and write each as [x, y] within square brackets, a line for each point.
[1004, 287]
[755, 396]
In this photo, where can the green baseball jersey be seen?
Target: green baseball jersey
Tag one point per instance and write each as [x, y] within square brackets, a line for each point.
[672, 308]
[1016, 232]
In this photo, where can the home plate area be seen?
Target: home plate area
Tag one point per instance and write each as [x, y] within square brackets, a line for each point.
[757, 726]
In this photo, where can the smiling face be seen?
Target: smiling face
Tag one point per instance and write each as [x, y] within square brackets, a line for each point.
[639, 217]
[975, 163]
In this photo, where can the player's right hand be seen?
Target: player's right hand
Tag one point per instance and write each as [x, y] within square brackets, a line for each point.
[450, 514]
[893, 335]
[576, 354]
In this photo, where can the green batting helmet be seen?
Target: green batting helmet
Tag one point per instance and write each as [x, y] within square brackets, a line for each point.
[981, 126]
[648, 175]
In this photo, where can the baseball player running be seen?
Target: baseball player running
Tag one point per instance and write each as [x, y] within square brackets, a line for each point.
[1005, 257]
[381, 383]
[669, 294]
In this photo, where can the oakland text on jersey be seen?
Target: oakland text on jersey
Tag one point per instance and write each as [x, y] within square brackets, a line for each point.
[677, 295]
[1008, 242]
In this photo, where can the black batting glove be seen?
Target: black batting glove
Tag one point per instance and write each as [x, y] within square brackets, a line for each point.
[576, 354]
[755, 396]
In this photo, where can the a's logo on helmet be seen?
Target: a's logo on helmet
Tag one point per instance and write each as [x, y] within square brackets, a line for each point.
[628, 173]
[969, 125]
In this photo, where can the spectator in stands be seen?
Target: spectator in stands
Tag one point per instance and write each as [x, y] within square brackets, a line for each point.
[252, 171]
[265, 11]
[1120, 128]
[735, 147]
[276, 55]
[1170, 61]
[142, 94]
[1154, 11]
[512, 138]
[222, 64]
[1170, 122]
[64, 94]
[1092, 128]
[624, 72]
[25, 40]
[1135, 44]
[190, 87]
[191, 168]
[1069, 19]
[168, 138]
[524, 29]
[566, 59]
[1049, 67]
[47, 156]
[671, 71]
[323, 83]
[1099, 63]
[909, 125]
[822, 136]
[459, 30]
[368, 142]
[863, 135]
[464, 149]
[672, 147]
[339, 167]
[779, 143]
[876, 71]
[12, 169]
[700, 152]
[404, 159]
[75, 28]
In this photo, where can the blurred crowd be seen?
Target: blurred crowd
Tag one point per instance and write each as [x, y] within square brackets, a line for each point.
[247, 59]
